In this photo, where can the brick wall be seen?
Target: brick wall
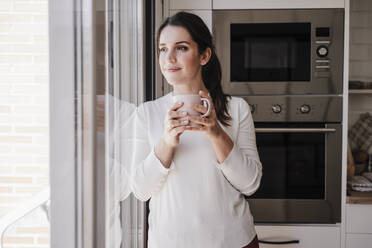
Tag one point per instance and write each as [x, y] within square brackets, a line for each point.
[24, 116]
[360, 67]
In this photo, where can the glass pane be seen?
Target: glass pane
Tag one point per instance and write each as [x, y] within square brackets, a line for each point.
[294, 163]
[270, 52]
[24, 118]
[30, 231]
[125, 91]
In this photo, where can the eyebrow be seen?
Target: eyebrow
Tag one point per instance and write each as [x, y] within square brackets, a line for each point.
[178, 42]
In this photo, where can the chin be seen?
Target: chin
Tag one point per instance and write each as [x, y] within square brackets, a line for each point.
[175, 81]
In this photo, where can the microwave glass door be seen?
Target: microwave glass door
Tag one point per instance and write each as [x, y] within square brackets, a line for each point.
[270, 52]
[294, 162]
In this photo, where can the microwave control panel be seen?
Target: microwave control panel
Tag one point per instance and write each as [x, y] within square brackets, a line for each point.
[322, 63]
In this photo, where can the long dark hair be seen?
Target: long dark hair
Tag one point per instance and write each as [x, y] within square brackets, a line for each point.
[211, 72]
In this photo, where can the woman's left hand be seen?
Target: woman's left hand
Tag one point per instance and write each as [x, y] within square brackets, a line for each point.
[209, 124]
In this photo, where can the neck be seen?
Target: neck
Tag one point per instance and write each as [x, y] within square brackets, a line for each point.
[189, 88]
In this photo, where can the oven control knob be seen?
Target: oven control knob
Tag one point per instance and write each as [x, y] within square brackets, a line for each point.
[305, 109]
[322, 51]
[277, 108]
[251, 106]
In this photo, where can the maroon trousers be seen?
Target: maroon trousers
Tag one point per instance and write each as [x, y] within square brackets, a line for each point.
[253, 243]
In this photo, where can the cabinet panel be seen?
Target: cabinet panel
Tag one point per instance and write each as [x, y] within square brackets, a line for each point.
[189, 4]
[358, 218]
[309, 236]
[205, 15]
[358, 240]
[275, 4]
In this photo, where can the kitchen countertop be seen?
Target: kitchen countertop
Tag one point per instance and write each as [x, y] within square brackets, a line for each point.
[356, 197]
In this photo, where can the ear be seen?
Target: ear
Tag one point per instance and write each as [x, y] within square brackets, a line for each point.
[205, 56]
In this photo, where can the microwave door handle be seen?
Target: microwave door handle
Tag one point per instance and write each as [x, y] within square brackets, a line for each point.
[295, 130]
[296, 241]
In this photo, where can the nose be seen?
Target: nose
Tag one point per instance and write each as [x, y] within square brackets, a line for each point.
[171, 56]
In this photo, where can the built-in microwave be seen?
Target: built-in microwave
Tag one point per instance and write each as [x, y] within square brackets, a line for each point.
[280, 52]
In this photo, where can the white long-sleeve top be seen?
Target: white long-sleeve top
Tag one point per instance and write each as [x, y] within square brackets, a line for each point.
[197, 202]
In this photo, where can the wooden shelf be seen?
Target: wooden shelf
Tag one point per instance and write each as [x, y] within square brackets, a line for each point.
[356, 197]
[365, 91]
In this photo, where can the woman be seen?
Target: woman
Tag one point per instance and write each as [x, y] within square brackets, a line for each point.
[195, 176]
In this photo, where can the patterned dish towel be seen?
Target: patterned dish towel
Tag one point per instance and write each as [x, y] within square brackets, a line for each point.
[360, 134]
[360, 183]
[368, 175]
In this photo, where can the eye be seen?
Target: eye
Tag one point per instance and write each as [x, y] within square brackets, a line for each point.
[182, 48]
[162, 49]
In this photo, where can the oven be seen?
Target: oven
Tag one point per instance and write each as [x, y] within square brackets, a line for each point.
[277, 52]
[299, 143]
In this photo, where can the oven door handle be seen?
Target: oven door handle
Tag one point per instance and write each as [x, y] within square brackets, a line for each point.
[296, 241]
[295, 130]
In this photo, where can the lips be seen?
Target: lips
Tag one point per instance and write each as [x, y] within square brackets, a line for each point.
[173, 69]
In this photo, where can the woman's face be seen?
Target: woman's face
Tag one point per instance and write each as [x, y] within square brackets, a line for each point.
[179, 58]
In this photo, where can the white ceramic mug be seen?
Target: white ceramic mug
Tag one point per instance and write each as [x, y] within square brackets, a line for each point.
[189, 101]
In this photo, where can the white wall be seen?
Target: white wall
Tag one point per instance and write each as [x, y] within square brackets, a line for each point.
[361, 40]
[360, 55]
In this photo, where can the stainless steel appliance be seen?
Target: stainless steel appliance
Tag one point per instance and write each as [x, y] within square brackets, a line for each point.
[299, 142]
[280, 52]
[288, 65]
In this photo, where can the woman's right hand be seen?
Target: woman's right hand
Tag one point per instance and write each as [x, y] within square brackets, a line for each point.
[174, 126]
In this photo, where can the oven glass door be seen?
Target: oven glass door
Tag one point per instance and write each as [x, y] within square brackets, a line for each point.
[301, 180]
[294, 162]
[270, 52]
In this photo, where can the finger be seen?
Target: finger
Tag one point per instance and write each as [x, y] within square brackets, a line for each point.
[176, 123]
[178, 130]
[195, 128]
[205, 94]
[200, 120]
[176, 114]
[200, 108]
[176, 106]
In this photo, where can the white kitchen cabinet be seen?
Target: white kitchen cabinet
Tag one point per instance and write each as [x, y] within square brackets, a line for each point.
[205, 15]
[358, 226]
[309, 236]
[359, 219]
[190, 4]
[276, 4]
[358, 240]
